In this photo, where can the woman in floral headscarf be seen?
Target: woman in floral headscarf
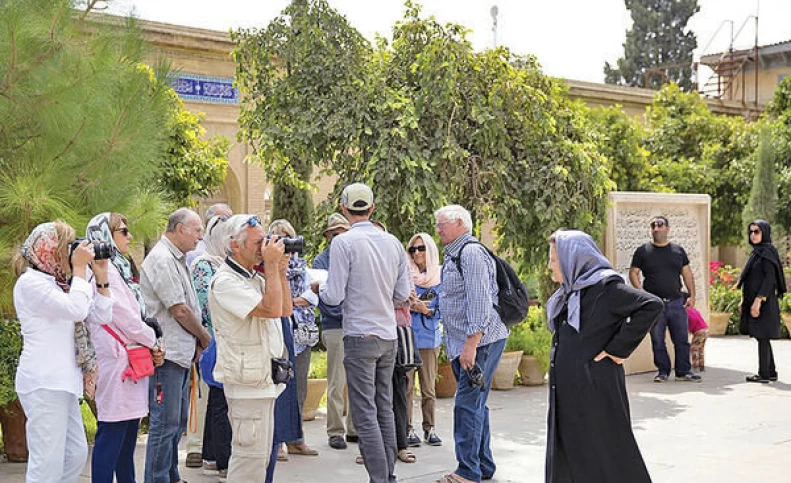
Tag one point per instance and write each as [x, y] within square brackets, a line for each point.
[120, 403]
[49, 379]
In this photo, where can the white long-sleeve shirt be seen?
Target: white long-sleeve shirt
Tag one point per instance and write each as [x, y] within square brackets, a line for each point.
[47, 315]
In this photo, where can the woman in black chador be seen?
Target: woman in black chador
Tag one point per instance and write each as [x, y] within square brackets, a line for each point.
[590, 437]
[762, 282]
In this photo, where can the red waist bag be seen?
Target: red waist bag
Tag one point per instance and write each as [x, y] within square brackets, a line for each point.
[141, 364]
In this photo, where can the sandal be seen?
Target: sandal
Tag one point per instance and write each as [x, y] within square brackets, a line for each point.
[359, 460]
[451, 478]
[406, 456]
[757, 378]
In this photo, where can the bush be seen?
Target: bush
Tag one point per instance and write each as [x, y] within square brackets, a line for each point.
[531, 337]
[10, 350]
[723, 294]
[318, 365]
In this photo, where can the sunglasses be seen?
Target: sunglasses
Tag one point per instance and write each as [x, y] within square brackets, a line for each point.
[657, 224]
[253, 221]
[755, 232]
[419, 248]
[124, 231]
[220, 218]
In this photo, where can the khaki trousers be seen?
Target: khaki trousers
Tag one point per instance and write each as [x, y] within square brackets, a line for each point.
[253, 425]
[336, 382]
[428, 396]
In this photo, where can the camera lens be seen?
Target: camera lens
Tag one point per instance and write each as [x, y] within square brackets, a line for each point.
[102, 251]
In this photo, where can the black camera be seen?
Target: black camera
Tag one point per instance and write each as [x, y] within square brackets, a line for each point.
[475, 376]
[101, 250]
[293, 245]
[428, 295]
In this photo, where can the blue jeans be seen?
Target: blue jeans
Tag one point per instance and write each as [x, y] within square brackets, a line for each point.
[167, 420]
[674, 317]
[114, 452]
[471, 416]
[369, 363]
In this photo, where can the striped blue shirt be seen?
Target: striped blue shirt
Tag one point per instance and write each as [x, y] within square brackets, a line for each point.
[467, 303]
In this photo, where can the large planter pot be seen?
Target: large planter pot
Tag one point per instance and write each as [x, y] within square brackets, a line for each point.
[446, 381]
[316, 390]
[530, 373]
[12, 419]
[506, 370]
[718, 323]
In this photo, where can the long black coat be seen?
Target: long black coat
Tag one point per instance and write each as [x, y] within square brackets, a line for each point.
[761, 280]
[590, 437]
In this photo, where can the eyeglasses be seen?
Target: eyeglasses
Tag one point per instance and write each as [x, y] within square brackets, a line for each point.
[657, 224]
[755, 232]
[252, 221]
[419, 248]
[124, 231]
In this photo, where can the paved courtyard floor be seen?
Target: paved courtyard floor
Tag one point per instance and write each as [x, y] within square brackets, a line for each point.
[723, 430]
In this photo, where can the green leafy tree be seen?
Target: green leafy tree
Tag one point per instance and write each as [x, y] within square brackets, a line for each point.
[82, 126]
[658, 38]
[763, 193]
[620, 141]
[302, 83]
[695, 151]
[194, 167]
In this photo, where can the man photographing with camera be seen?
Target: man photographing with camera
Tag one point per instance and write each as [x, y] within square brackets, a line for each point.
[246, 308]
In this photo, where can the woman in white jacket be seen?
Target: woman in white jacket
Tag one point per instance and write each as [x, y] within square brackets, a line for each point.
[49, 379]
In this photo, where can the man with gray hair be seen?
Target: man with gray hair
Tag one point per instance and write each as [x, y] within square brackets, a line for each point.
[246, 308]
[475, 339]
[196, 455]
[170, 297]
[368, 276]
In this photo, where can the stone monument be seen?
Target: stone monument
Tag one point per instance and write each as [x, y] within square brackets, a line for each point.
[689, 216]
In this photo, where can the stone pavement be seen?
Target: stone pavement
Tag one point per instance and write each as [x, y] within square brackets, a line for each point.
[722, 430]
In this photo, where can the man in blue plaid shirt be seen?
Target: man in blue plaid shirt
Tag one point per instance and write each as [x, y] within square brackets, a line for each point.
[475, 339]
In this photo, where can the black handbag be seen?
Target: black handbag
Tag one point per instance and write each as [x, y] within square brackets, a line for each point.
[282, 370]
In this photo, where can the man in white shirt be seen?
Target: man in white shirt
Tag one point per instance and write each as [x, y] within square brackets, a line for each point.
[246, 309]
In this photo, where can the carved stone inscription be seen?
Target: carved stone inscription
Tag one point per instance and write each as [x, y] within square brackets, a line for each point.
[687, 229]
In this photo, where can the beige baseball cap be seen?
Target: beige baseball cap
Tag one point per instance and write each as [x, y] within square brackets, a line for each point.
[357, 196]
[336, 220]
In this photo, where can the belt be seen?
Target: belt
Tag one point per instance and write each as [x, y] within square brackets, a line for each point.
[669, 300]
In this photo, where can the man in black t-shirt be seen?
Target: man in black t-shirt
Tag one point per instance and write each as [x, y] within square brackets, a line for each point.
[661, 262]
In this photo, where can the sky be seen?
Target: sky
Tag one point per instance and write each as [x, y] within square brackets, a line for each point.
[571, 38]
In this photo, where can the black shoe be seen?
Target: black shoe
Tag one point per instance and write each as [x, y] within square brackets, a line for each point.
[756, 378]
[773, 377]
[660, 378]
[337, 442]
[689, 378]
[351, 438]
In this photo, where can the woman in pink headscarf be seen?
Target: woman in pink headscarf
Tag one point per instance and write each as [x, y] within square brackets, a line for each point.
[423, 260]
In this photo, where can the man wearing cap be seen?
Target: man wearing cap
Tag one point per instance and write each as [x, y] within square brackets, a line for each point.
[368, 277]
[332, 338]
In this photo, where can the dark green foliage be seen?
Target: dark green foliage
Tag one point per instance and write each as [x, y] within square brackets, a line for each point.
[658, 38]
[763, 193]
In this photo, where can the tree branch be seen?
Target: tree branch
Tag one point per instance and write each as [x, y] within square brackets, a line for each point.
[71, 142]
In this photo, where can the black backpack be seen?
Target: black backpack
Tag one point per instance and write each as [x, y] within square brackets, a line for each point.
[512, 299]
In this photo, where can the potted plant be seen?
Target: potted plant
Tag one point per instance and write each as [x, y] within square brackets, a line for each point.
[724, 297]
[317, 384]
[534, 340]
[785, 310]
[12, 416]
[446, 381]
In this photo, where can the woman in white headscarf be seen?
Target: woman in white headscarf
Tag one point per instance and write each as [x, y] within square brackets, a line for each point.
[424, 266]
[589, 427]
[217, 432]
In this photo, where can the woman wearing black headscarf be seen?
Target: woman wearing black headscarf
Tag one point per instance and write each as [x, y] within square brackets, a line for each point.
[762, 283]
[589, 436]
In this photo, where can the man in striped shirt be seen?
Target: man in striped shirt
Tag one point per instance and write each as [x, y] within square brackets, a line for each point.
[475, 339]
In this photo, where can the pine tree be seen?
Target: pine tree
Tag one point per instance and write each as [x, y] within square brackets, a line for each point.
[763, 193]
[658, 38]
[83, 123]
